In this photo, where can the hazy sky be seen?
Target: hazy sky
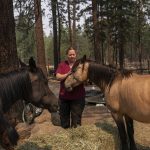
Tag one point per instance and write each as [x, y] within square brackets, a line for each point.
[46, 27]
[45, 19]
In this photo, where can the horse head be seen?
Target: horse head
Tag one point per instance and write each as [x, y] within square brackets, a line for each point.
[78, 75]
[41, 95]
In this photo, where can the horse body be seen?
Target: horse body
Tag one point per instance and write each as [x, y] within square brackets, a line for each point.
[131, 96]
[27, 84]
[127, 95]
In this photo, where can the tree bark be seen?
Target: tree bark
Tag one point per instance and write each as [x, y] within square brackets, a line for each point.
[8, 50]
[39, 37]
[74, 26]
[139, 32]
[69, 23]
[59, 33]
[55, 35]
[97, 50]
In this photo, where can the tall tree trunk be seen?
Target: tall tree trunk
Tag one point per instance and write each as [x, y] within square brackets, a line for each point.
[74, 26]
[55, 37]
[8, 50]
[59, 33]
[139, 32]
[109, 53]
[97, 51]
[109, 50]
[131, 50]
[115, 52]
[121, 53]
[121, 39]
[39, 37]
[69, 23]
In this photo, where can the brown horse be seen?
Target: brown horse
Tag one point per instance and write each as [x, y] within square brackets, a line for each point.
[127, 95]
[29, 84]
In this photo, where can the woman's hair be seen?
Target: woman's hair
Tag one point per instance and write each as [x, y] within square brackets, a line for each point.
[70, 48]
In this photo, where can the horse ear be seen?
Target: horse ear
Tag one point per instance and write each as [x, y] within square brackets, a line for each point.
[21, 64]
[83, 59]
[32, 65]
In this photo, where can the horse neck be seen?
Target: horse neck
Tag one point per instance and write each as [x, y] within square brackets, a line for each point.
[99, 75]
[16, 86]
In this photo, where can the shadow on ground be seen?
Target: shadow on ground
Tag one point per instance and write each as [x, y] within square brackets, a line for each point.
[111, 129]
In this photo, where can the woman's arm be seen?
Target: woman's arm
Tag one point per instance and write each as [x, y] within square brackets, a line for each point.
[61, 77]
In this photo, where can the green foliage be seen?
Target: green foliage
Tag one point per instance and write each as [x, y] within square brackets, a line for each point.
[121, 23]
[25, 37]
[83, 45]
[49, 49]
[146, 44]
[118, 21]
[25, 44]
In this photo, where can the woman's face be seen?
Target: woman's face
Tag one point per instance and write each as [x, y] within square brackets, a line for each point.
[72, 56]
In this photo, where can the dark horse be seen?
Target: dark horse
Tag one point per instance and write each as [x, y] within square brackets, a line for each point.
[127, 95]
[29, 84]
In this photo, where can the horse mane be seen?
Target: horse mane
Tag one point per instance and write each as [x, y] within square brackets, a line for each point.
[125, 73]
[106, 73]
[99, 73]
[14, 85]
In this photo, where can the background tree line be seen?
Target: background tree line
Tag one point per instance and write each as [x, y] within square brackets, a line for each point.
[112, 31]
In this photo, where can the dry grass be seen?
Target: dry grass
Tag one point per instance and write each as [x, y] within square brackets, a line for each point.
[81, 138]
[101, 136]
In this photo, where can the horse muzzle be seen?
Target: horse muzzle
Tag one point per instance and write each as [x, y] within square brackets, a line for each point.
[53, 108]
[55, 119]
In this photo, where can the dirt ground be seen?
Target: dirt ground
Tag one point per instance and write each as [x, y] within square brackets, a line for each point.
[92, 115]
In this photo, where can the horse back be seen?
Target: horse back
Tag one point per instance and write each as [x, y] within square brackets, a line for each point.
[136, 87]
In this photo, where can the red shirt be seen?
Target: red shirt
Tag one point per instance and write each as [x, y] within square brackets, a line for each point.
[77, 92]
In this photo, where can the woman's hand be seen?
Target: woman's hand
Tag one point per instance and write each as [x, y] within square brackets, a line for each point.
[62, 77]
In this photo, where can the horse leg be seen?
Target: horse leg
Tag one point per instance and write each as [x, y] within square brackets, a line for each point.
[130, 131]
[7, 132]
[122, 132]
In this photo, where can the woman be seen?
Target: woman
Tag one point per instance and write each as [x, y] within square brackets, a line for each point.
[71, 103]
